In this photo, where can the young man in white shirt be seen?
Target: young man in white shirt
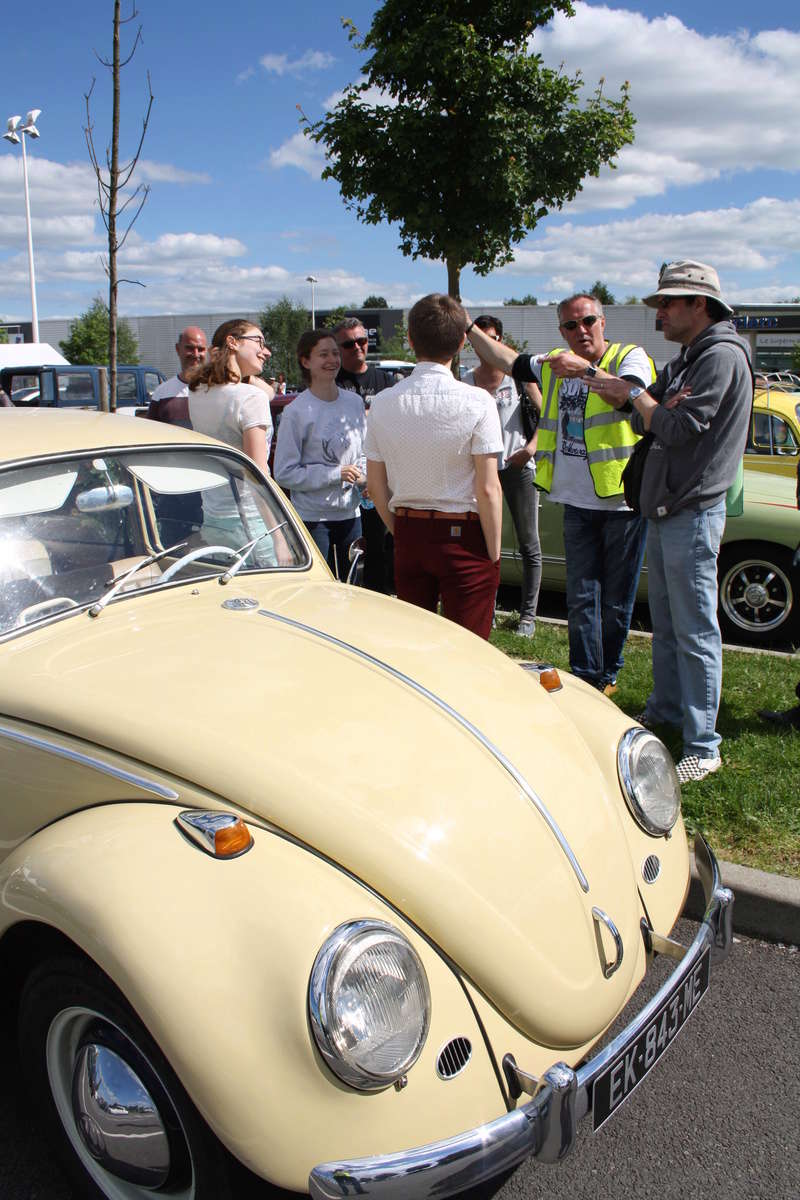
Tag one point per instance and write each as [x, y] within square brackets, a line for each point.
[432, 446]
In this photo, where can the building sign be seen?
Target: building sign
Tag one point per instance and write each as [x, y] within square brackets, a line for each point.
[778, 339]
[747, 322]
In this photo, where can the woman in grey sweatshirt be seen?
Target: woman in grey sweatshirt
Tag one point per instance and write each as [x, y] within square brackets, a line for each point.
[319, 454]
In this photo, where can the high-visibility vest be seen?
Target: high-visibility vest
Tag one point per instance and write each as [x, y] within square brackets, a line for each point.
[607, 431]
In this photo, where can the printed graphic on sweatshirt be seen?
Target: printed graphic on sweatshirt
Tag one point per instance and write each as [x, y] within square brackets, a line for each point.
[571, 411]
[340, 442]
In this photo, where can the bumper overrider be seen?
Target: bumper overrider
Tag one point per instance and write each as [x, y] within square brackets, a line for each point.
[546, 1126]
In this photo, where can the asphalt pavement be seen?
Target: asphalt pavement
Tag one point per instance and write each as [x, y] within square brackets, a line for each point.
[716, 1118]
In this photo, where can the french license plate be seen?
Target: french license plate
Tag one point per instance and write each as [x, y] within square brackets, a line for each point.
[631, 1065]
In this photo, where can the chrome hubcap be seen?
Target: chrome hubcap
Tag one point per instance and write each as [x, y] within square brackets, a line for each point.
[118, 1119]
[756, 595]
[115, 1110]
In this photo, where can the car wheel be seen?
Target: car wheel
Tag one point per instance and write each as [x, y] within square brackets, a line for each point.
[757, 593]
[116, 1113]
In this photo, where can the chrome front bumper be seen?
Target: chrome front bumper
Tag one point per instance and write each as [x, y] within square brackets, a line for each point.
[546, 1126]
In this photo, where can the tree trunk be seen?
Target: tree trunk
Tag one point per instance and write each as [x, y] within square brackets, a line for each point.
[454, 279]
[112, 220]
[454, 290]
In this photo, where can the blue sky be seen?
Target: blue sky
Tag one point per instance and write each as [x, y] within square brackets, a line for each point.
[238, 216]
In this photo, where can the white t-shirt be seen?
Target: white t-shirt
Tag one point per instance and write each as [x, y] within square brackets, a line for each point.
[572, 480]
[224, 412]
[174, 386]
[425, 430]
[509, 410]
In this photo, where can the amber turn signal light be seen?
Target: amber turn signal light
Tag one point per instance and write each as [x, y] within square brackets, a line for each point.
[550, 679]
[220, 834]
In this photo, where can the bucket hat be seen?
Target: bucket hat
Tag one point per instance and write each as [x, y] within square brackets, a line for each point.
[687, 278]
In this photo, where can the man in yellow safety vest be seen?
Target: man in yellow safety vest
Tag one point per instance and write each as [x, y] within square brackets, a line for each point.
[584, 444]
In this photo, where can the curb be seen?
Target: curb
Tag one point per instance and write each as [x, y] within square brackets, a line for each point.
[766, 906]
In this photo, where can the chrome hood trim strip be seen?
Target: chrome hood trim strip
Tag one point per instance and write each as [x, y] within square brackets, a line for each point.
[495, 751]
[85, 760]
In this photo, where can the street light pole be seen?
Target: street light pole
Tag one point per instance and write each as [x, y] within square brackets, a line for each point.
[17, 131]
[312, 279]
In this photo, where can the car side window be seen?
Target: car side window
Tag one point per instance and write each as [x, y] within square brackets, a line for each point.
[126, 388]
[76, 390]
[151, 382]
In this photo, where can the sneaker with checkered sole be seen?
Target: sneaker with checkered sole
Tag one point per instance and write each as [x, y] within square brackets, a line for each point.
[692, 769]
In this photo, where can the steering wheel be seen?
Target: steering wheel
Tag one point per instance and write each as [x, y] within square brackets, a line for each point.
[199, 552]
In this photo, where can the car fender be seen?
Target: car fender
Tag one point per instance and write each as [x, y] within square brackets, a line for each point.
[215, 955]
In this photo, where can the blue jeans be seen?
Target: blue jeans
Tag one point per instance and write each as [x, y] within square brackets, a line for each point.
[522, 499]
[682, 555]
[604, 552]
[333, 539]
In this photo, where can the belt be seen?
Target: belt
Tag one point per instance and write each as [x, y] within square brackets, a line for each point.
[435, 514]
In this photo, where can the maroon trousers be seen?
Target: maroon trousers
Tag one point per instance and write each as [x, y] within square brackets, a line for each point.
[446, 558]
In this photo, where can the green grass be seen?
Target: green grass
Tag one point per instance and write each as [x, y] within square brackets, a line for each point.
[750, 809]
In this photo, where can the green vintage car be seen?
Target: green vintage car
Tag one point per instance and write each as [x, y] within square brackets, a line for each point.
[759, 587]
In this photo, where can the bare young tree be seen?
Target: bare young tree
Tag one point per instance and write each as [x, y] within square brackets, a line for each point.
[113, 179]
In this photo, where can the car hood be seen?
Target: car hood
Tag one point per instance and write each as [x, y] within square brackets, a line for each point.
[424, 763]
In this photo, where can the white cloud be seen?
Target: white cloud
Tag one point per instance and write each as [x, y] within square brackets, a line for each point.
[739, 241]
[699, 100]
[301, 152]
[312, 60]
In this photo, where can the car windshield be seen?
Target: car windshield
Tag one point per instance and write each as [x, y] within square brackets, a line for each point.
[70, 527]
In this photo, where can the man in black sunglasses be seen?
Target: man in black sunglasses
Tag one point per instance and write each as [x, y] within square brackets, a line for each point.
[584, 444]
[366, 378]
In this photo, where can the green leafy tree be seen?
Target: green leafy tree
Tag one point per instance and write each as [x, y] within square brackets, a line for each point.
[282, 323]
[375, 302]
[397, 345]
[602, 292]
[3, 337]
[463, 102]
[527, 299]
[631, 300]
[335, 316]
[89, 337]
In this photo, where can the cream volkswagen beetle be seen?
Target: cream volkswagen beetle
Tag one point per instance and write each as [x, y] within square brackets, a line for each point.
[297, 878]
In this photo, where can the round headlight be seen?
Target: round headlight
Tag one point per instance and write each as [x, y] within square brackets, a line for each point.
[369, 1004]
[649, 782]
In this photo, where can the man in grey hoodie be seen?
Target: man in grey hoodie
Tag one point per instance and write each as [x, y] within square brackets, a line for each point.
[697, 412]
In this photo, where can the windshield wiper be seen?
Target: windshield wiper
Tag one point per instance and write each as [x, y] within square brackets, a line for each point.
[100, 604]
[243, 553]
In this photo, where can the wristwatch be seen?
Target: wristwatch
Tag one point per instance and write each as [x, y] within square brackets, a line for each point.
[635, 392]
[590, 371]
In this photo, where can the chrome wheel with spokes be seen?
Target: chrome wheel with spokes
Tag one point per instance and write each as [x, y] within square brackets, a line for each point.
[757, 595]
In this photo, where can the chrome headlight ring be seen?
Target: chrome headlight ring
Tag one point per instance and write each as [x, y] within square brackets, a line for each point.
[369, 1004]
[649, 782]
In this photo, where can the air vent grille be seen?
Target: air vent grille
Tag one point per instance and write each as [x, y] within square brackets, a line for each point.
[651, 868]
[453, 1058]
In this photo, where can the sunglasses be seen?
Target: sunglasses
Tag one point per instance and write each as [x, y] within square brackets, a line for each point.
[587, 321]
[349, 343]
[667, 301]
